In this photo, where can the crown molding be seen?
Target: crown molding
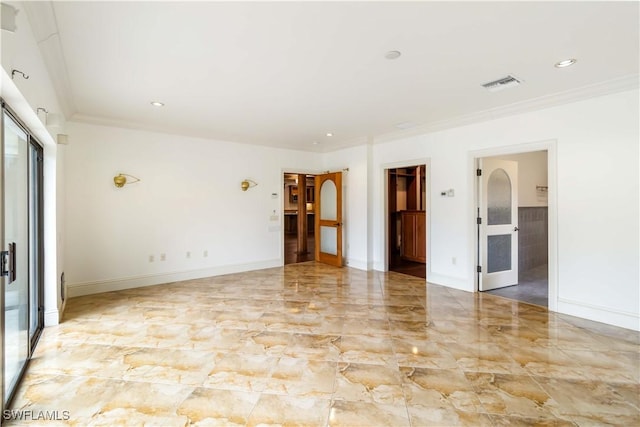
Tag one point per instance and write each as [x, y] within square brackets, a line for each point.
[44, 26]
[608, 87]
[622, 84]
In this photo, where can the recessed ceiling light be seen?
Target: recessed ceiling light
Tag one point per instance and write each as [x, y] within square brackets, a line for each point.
[315, 142]
[329, 134]
[157, 104]
[566, 63]
[392, 54]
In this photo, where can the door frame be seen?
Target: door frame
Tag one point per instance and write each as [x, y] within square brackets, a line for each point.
[384, 176]
[551, 147]
[32, 140]
[281, 209]
[2, 279]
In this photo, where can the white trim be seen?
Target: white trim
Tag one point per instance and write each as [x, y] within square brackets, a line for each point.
[448, 281]
[89, 288]
[550, 146]
[598, 313]
[52, 318]
[621, 84]
[358, 264]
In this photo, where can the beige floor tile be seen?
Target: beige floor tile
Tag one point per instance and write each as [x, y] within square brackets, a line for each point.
[358, 382]
[314, 347]
[447, 389]
[218, 407]
[272, 410]
[513, 421]
[241, 372]
[513, 395]
[364, 349]
[303, 378]
[420, 353]
[483, 357]
[590, 400]
[310, 344]
[353, 414]
[446, 416]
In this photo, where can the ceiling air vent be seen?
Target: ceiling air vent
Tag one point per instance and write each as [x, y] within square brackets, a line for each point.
[503, 83]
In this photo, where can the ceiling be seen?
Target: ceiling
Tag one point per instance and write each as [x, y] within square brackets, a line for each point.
[285, 74]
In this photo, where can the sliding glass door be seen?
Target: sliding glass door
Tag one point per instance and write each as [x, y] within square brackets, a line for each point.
[21, 251]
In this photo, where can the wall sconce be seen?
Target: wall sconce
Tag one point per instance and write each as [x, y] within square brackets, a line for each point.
[120, 180]
[247, 184]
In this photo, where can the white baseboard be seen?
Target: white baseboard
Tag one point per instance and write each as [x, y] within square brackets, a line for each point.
[358, 264]
[599, 314]
[450, 282]
[52, 317]
[379, 266]
[97, 287]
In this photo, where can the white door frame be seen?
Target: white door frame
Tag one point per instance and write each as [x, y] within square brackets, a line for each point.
[552, 181]
[384, 171]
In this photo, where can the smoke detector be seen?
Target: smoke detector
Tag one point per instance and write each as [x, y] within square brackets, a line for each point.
[503, 83]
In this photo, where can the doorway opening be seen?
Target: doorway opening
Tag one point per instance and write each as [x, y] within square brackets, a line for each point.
[407, 228]
[299, 217]
[513, 229]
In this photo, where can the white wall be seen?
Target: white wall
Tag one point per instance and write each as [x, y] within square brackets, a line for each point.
[188, 200]
[597, 200]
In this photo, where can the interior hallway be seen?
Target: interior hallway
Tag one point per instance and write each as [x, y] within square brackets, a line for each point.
[309, 344]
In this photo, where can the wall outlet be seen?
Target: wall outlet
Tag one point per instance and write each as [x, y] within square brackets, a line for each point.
[163, 257]
[188, 254]
[454, 261]
[151, 258]
[205, 254]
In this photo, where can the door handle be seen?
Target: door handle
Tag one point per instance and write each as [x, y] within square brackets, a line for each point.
[8, 263]
[515, 228]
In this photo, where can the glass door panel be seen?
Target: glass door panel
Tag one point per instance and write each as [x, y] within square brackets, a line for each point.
[16, 243]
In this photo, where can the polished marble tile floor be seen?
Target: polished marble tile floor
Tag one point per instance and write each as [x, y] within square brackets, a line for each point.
[313, 345]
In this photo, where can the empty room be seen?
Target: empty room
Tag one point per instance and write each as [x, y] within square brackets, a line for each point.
[320, 213]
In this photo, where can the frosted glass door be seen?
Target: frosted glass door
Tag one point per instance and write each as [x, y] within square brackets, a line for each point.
[498, 230]
[16, 255]
[329, 219]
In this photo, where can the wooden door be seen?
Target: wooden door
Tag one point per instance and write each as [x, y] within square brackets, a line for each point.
[328, 218]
